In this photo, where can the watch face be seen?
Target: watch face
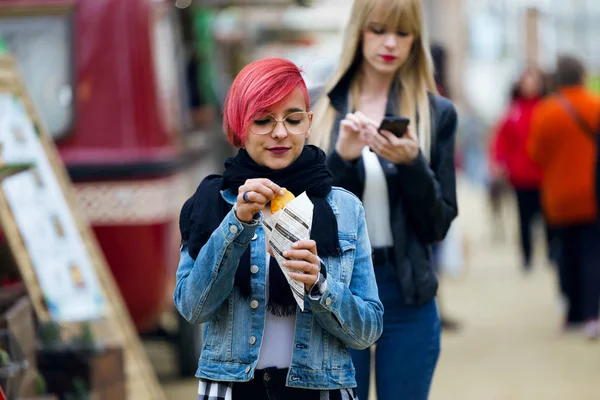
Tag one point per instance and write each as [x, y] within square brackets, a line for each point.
[42, 47]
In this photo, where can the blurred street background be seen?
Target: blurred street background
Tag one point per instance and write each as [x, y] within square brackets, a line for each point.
[132, 91]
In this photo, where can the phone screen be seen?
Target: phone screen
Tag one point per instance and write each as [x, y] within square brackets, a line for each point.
[396, 125]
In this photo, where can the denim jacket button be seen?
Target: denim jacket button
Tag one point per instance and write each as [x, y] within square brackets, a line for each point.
[252, 339]
[255, 237]
[254, 269]
[254, 304]
[328, 301]
[247, 369]
[233, 229]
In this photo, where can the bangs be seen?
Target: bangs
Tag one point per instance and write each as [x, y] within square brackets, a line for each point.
[398, 15]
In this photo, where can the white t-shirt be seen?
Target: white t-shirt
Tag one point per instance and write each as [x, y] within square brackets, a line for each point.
[278, 337]
[376, 202]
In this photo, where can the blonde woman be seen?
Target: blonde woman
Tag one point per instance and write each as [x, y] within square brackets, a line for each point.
[407, 184]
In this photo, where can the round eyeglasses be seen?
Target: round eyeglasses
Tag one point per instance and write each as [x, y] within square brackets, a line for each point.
[296, 123]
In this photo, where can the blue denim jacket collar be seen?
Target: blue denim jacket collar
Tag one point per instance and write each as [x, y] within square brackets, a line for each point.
[229, 196]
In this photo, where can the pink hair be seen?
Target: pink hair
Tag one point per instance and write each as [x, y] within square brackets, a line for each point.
[259, 87]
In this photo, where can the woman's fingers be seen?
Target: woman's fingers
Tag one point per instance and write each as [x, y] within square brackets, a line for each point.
[260, 190]
[361, 121]
[393, 139]
[372, 130]
[366, 121]
[252, 197]
[351, 125]
[303, 254]
[267, 183]
[273, 186]
[308, 244]
[308, 280]
[303, 257]
[303, 262]
[302, 271]
[353, 117]
[301, 266]
[378, 142]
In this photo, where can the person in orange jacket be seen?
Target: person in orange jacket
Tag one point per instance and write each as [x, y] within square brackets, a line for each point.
[509, 155]
[567, 154]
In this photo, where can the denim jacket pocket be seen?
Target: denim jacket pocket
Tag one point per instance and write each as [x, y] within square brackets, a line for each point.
[341, 268]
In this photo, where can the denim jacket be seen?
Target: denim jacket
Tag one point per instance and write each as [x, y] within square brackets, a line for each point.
[349, 312]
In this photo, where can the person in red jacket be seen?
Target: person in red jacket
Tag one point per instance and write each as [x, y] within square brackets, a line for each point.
[509, 155]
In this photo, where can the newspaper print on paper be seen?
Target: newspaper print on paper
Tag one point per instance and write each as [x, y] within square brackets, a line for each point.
[283, 229]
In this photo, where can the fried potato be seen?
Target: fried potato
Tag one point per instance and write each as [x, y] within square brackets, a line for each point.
[279, 202]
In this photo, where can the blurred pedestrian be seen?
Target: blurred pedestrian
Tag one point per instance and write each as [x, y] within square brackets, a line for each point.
[512, 161]
[258, 345]
[563, 142]
[407, 183]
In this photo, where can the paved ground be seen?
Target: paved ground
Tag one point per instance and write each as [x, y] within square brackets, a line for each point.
[510, 347]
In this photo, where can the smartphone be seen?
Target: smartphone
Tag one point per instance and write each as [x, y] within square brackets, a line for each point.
[396, 125]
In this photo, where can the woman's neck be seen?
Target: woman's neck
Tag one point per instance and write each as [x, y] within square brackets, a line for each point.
[373, 84]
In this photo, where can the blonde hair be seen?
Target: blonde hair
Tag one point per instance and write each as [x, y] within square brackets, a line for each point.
[414, 77]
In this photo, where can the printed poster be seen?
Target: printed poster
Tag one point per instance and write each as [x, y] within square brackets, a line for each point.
[59, 256]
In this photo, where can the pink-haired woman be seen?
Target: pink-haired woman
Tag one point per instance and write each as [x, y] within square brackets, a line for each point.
[258, 343]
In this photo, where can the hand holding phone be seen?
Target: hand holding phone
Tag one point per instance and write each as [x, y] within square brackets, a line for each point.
[397, 125]
[395, 142]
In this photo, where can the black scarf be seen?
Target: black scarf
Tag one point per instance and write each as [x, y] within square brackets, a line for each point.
[204, 211]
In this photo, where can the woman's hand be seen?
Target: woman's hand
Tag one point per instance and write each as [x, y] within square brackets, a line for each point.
[403, 150]
[253, 196]
[303, 258]
[352, 136]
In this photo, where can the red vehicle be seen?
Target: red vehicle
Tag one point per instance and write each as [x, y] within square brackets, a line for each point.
[108, 77]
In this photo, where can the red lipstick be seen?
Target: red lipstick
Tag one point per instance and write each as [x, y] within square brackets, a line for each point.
[279, 150]
[388, 58]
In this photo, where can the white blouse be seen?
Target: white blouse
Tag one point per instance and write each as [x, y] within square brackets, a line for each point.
[376, 202]
[278, 337]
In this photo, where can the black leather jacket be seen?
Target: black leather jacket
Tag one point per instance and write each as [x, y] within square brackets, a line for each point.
[422, 196]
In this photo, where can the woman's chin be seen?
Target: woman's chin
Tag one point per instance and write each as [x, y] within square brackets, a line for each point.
[278, 161]
[384, 68]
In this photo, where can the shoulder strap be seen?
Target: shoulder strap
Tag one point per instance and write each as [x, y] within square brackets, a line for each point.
[568, 107]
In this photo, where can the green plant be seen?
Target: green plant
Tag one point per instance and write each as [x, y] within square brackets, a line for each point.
[85, 340]
[4, 358]
[40, 385]
[50, 334]
[87, 335]
[80, 389]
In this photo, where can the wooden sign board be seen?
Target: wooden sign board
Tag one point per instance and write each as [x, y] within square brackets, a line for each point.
[62, 266]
